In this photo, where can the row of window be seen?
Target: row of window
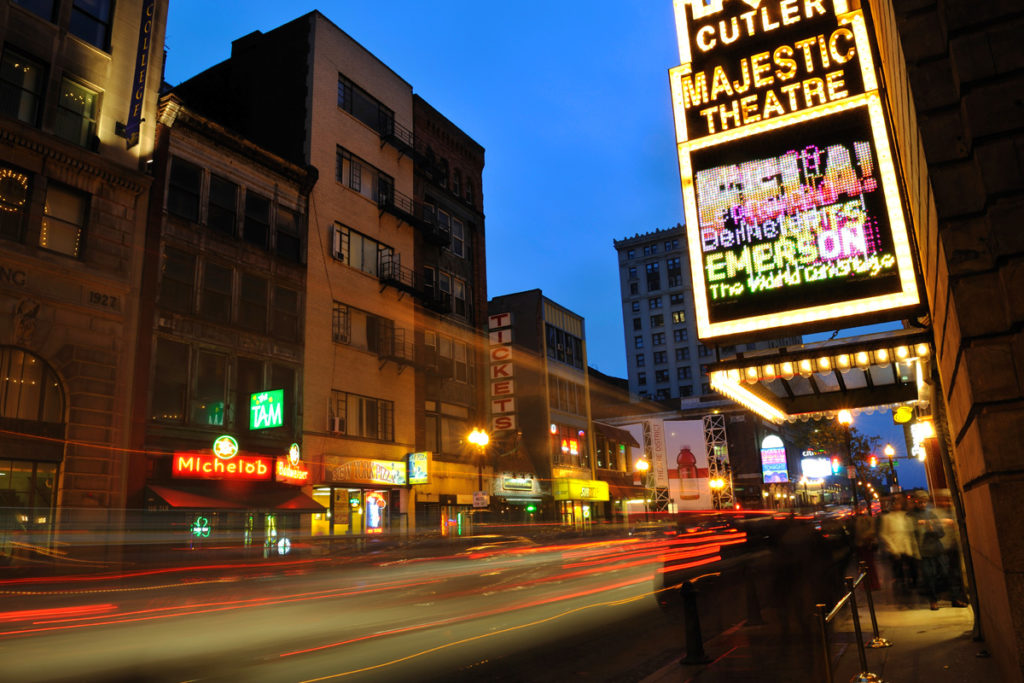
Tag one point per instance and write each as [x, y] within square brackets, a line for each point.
[569, 446]
[446, 433]
[567, 396]
[216, 292]
[65, 211]
[609, 454]
[451, 290]
[564, 347]
[362, 416]
[653, 273]
[233, 211]
[455, 227]
[658, 320]
[362, 330]
[90, 20]
[651, 249]
[658, 339]
[453, 357]
[656, 302]
[23, 82]
[205, 387]
[363, 177]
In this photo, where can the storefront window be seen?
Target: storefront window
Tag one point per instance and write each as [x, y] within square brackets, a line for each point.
[26, 494]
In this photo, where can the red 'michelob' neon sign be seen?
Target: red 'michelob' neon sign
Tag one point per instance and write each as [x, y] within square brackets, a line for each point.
[193, 465]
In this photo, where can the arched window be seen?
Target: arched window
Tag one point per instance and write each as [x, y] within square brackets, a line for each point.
[29, 388]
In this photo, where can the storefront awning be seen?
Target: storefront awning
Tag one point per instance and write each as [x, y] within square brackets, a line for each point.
[624, 492]
[615, 434]
[287, 500]
[883, 370]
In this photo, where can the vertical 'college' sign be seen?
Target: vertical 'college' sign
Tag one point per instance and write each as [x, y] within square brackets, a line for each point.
[792, 206]
[503, 402]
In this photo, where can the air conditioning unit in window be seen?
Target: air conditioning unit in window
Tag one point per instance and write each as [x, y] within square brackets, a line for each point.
[335, 425]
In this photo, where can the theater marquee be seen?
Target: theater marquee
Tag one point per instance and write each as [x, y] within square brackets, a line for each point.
[792, 205]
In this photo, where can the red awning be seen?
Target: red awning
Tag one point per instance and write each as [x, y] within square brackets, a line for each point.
[623, 492]
[177, 498]
[293, 500]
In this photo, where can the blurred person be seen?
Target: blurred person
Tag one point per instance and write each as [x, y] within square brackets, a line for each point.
[865, 538]
[928, 532]
[953, 578]
[896, 538]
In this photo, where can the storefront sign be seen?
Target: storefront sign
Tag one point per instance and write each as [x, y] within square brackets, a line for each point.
[138, 92]
[502, 370]
[419, 468]
[789, 186]
[579, 489]
[266, 409]
[198, 465]
[360, 471]
[375, 504]
[774, 468]
[288, 472]
[517, 483]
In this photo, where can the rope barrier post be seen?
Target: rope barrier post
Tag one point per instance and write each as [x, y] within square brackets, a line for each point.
[827, 658]
[694, 642]
[864, 676]
[878, 641]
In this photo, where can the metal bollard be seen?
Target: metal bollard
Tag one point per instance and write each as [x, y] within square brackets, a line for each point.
[823, 623]
[864, 676]
[878, 641]
[694, 640]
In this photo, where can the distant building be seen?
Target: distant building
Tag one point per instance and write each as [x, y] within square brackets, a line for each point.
[664, 358]
[78, 96]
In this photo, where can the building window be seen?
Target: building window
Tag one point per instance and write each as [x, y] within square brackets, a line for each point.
[469, 192]
[363, 416]
[703, 351]
[662, 395]
[287, 235]
[675, 299]
[635, 306]
[76, 113]
[361, 330]
[675, 273]
[14, 194]
[256, 229]
[569, 446]
[215, 295]
[183, 189]
[177, 280]
[632, 273]
[684, 372]
[43, 8]
[457, 182]
[681, 335]
[631, 253]
[170, 382]
[363, 106]
[634, 288]
[222, 205]
[657, 320]
[253, 303]
[638, 342]
[703, 369]
[705, 388]
[564, 347]
[671, 245]
[341, 323]
[90, 21]
[678, 317]
[641, 378]
[22, 82]
[461, 361]
[660, 357]
[658, 339]
[638, 323]
[63, 219]
[683, 353]
[359, 251]
[660, 376]
[653, 277]
[641, 361]
[459, 296]
[284, 323]
[686, 390]
[654, 303]
[209, 390]
[363, 177]
[458, 237]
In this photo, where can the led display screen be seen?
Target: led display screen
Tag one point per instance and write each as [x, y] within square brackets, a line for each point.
[774, 469]
[797, 215]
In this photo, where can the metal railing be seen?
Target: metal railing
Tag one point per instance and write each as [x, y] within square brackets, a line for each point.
[824, 619]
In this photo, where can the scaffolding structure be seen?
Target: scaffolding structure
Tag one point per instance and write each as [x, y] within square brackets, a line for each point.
[717, 448]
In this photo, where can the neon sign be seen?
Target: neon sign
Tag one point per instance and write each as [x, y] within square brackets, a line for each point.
[207, 466]
[287, 472]
[791, 197]
[418, 465]
[225, 447]
[774, 468]
[375, 504]
[266, 409]
[201, 527]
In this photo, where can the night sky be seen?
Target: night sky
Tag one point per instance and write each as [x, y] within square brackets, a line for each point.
[571, 102]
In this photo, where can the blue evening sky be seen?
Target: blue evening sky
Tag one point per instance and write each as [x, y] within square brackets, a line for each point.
[571, 101]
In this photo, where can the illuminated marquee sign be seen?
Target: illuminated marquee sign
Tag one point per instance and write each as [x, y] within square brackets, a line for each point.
[774, 469]
[359, 471]
[266, 409]
[792, 205]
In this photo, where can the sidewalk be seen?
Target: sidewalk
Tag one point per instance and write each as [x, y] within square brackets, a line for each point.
[928, 647]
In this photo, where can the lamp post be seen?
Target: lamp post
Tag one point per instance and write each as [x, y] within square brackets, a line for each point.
[845, 418]
[642, 467]
[479, 438]
[894, 480]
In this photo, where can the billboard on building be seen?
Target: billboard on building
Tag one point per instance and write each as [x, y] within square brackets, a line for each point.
[688, 464]
[793, 211]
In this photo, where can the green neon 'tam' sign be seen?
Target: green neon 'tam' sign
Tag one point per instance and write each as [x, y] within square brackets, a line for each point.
[266, 409]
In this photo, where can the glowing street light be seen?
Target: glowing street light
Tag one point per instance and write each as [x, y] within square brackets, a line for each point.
[642, 466]
[480, 439]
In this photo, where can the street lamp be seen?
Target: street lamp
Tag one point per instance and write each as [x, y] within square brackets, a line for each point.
[479, 438]
[642, 467]
[845, 418]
